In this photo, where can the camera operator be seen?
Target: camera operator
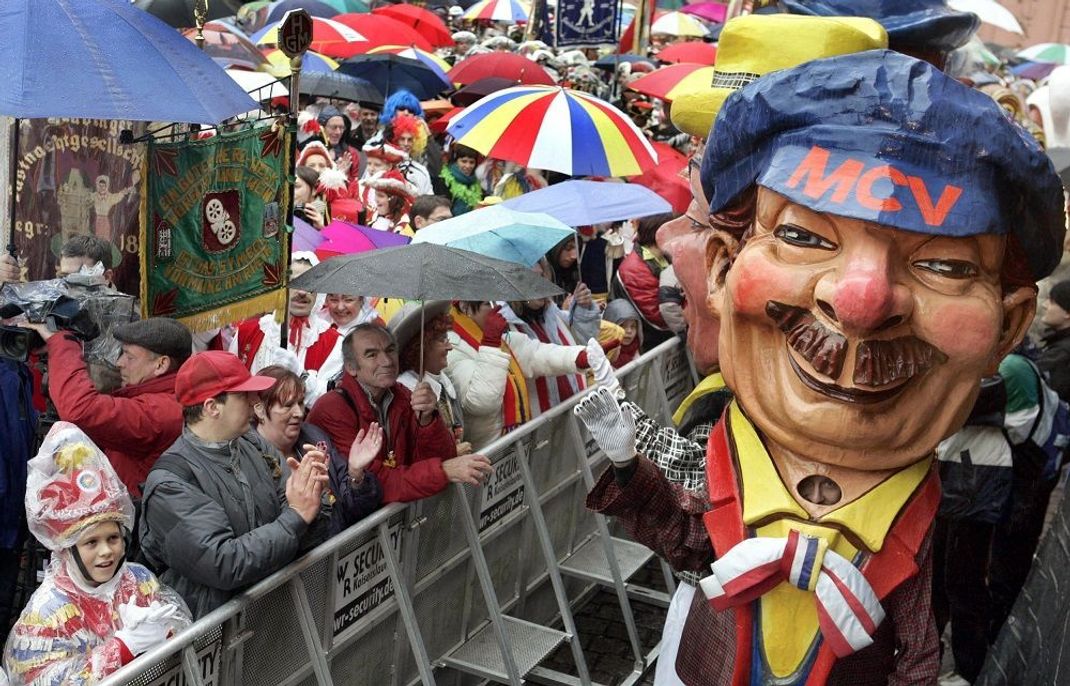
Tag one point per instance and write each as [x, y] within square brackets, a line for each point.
[138, 422]
[84, 250]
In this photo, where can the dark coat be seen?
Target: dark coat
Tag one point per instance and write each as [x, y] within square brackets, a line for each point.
[1054, 361]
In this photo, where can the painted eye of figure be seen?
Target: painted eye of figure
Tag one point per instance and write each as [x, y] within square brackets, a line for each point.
[951, 269]
[800, 237]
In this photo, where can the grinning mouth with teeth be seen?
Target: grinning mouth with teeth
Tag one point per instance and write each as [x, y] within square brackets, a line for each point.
[878, 363]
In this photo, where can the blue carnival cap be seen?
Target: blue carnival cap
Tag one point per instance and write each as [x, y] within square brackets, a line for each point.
[920, 24]
[889, 139]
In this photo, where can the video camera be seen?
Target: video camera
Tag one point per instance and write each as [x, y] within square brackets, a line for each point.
[81, 304]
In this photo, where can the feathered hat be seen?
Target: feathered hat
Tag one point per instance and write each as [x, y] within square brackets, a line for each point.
[70, 486]
[392, 182]
[312, 149]
[385, 152]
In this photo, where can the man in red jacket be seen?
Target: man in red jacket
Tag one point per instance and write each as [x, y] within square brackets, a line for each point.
[418, 457]
[137, 423]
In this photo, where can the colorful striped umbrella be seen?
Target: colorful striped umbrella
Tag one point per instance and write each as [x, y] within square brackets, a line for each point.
[510, 11]
[279, 63]
[328, 37]
[668, 82]
[554, 128]
[1046, 52]
[429, 58]
[678, 24]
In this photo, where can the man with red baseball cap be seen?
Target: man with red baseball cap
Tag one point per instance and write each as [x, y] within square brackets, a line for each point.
[221, 509]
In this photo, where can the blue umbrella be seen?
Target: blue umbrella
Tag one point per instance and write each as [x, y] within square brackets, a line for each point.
[499, 232]
[313, 7]
[610, 62]
[583, 203]
[391, 73]
[106, 59]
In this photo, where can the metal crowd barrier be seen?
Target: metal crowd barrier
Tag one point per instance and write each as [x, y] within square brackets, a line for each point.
[458, 587]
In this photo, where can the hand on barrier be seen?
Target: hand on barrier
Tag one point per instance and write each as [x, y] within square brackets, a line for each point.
[468, 469]
[600, 366]
[145, 626]
[611, 426]
[365, 449]
[307, 480]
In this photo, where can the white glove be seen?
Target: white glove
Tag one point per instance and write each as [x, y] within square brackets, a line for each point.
[611, 426]
[145, 626]
[602, 369]
[286, 358]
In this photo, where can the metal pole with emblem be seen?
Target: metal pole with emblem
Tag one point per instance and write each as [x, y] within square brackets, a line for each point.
[294, 37]
[200, 15]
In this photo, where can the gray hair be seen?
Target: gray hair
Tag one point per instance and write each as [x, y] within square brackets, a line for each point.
[349, 358]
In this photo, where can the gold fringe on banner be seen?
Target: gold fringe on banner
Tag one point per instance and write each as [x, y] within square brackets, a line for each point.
[143, 231]
[235, 312]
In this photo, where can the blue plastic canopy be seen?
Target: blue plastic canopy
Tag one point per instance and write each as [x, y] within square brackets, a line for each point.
[500, 232]
[582, 203]
[106, 59]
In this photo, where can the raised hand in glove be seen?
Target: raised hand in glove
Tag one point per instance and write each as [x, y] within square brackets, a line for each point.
[611, 426]
[602, 369]
[145, 626]
[494, 327]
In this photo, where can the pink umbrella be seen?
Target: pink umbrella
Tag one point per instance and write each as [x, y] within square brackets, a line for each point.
[305, 237]
[710, 11]
[343, 238]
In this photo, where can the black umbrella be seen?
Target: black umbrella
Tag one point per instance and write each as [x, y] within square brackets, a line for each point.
[425, 271]
[391, 73]
[478, 89]
[179, 13]
[340, 86]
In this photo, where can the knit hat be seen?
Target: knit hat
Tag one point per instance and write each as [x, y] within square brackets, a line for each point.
[70, 486]
[1060, 294]
[160, 335]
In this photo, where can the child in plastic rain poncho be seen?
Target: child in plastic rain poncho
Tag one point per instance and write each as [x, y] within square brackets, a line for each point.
[94, 611]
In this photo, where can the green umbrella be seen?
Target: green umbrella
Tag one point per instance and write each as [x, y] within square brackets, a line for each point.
[348, 5]
[1047, 52]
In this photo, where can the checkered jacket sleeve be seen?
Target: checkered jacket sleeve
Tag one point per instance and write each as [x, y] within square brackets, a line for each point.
[662, 516]
[681, 459]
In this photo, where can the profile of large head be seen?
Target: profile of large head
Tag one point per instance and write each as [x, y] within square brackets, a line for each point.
[878, 229]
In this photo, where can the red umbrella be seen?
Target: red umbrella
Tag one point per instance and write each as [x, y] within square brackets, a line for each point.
[424, 21]
[669, 178]
[664, 82]
[505, 65]
[439, 125]
[695, 52]
[382, 30]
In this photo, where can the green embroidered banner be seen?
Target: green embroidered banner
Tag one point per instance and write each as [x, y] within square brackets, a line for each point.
[213, 227]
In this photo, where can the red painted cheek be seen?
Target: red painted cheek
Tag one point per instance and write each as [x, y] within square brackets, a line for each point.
[959, 328]
[755, 279]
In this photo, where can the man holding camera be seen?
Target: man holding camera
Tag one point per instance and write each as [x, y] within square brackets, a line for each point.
[138, 422]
